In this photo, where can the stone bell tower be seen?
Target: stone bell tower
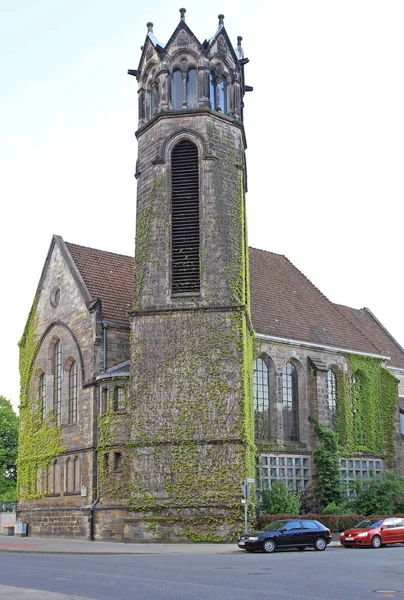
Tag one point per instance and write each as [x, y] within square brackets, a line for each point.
[192, 411]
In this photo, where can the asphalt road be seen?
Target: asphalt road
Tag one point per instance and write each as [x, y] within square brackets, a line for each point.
[336, 574]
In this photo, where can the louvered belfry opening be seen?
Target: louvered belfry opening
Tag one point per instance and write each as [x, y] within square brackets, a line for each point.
[185, 218]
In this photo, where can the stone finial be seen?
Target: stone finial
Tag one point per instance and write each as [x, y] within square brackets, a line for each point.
[239, 49]
[221, 19]
[183, 11]
[149, 26]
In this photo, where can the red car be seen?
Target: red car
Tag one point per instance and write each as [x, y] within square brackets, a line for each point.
[374, 533]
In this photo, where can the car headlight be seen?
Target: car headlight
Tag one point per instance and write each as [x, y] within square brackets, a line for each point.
[363, 534]
[253, 539]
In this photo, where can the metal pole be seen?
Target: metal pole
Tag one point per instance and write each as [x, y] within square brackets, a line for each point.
[246, 507]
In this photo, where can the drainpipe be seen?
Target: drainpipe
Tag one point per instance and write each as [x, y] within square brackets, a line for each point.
[95, 482]
[104, 332]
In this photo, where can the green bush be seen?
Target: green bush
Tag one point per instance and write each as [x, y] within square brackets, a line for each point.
[279, 499]
[384, 495]
[334, 508]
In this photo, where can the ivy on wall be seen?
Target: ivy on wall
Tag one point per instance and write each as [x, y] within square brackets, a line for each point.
[366, 407]
[39, 440]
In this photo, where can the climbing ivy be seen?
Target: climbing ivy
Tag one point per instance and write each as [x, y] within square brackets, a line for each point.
[366, 407]
[39, 440]
[326, 459]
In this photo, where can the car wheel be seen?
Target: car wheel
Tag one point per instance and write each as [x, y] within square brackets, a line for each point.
[376, 541]
[301, 548]
[320, 544]
[269, 546]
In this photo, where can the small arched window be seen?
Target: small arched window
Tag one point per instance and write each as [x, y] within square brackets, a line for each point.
[261, 399]
[212, 91]
[42, 395]
[290, 403]
[57, 380]
[331, 397]
[177, 90]
[223, 96]
[192, 89]
[73, 393]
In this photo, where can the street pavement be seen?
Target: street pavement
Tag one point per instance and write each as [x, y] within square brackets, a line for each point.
[73, 546]
[16, 544]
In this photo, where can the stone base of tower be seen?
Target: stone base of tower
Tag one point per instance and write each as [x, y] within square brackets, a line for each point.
[184, 524]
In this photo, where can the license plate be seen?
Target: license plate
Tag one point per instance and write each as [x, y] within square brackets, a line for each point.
[241, 543]
[349, 539]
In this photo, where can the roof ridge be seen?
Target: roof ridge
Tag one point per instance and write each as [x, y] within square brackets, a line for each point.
[98, 250]
[266, 251]
[335, 307]
[357, 328]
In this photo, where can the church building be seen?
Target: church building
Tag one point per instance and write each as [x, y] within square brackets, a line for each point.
[152, 387]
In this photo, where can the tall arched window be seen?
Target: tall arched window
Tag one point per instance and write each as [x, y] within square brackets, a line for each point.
[223, 96]
[42, 395]
[151, 101]
[185, 269]
[57, 380]
[331, 397]
[177, 90]
[290, 403]
[261, 399]
[192, 89]
[73, 393]
[212, 91]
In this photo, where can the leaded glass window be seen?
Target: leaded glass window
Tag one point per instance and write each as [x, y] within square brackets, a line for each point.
[177, 90]
[73, 393]
[261, 399]
[331, 397]
[57, 380]
[42, 395]
[290, 403]
[192, 89]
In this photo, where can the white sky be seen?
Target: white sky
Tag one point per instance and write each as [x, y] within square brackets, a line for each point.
[324, 125]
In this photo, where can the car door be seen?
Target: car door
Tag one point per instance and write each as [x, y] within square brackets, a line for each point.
[398, 531]
[310, 531]
[290, 535]
[387, 531]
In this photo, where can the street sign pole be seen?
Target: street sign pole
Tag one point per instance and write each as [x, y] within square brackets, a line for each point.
[246, 489]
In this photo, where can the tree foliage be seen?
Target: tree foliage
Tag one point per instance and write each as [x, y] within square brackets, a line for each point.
[326, 458]
[279, 499]
[8, 449]
[380, 496]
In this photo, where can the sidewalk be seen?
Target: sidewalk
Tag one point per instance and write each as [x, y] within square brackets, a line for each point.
[68, 546]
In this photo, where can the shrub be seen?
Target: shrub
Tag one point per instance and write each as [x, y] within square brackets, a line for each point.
[334, 508]
[310, 501]
[384, 495]
[279, 499]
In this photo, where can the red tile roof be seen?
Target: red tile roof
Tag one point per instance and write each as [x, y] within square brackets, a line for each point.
[284, 303]
[109, 277]
[364, 320]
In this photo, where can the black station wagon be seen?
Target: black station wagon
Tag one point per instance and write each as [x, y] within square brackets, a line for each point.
[286, 534]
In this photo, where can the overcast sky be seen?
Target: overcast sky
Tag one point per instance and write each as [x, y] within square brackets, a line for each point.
[324, 126]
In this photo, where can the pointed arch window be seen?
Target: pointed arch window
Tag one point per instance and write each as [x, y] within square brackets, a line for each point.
[177, 90]
[212, 88]
[192, 89]
[261, 399]
[73, 393]
[331, 397]
[218, 93]
[290, 403]
[185, 270]
[57, 380]
[223, 96]
[42, 395]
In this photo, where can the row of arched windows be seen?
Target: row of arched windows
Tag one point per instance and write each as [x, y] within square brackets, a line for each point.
[57, 387]
[184, 90]
[289, 400]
